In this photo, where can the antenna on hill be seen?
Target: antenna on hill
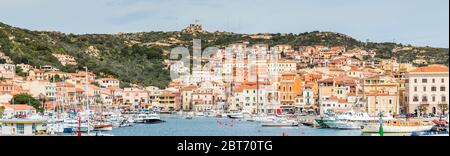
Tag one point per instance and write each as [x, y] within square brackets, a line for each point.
[197, 22]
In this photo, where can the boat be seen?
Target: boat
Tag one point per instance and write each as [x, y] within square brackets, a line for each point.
[397, 126]
[322, 121]
[72, 125]
[199, 114]
[281, 123]
[235, 116]
[344, 124]
[351, 120]
[139, 118]
[264, 118]
[103, 126]
[188, 117]
[152, 118]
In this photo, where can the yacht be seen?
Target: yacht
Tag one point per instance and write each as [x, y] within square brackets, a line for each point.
[281, 123]
[152, 118]
[237, 115]
[353, 120]
[103, 126]
[139, 118]
[264, 118]
[397, 126]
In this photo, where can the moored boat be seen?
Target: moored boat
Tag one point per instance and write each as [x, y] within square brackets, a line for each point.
[235, 116]
[103, 126]
[281, 123]
[343, 124]
[397, 126]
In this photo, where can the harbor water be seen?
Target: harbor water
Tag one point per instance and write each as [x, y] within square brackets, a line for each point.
[175, 125]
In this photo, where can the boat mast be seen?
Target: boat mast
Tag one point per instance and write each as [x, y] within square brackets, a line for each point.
[87, 100]
[257, 88]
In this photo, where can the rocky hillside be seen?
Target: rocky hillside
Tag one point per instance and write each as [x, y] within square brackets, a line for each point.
[137, 58]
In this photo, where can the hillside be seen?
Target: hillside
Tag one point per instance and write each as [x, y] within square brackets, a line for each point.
[137, 58]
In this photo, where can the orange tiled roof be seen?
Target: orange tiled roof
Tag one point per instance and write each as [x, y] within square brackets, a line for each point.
[435, 68]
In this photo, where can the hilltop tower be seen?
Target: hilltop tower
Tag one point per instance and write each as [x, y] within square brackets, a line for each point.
[194, 28]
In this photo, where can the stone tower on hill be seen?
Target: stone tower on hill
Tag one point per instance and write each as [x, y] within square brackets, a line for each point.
[193, 28]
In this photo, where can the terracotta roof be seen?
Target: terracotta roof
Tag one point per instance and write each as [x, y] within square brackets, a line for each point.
[435, 68]
[189, 88]
[79, 89]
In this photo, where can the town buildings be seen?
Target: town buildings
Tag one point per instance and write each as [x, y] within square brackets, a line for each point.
[427, 89]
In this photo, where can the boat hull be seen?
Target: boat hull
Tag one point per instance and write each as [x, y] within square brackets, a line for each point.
[279, 125]
[323, 122]
[395, 129]
[152, 121]
[343, 125]
[235, 117]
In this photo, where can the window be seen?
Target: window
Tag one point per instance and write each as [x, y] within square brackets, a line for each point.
[20, 128]
[433, 89]
[424, 80]
[415, 89]
[415, 99]
[433, 98]
[424, 89]
[442, 80]
[433, 80]
[442, 89]
[390, 101]
[415, 80]
[443, 99]
[424, 99]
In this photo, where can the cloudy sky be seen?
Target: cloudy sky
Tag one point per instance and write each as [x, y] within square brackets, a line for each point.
[417, 22]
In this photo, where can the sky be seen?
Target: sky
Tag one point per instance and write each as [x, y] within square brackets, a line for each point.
[416, 22]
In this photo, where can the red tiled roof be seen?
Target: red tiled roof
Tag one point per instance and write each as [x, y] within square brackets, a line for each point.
[435, 68]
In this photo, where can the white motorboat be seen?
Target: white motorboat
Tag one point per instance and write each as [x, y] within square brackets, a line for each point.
[139, 118]
[344, 124]
[236, 115]
[281, 123]
[152, 118]
[354, 120]
[264, 118]
[199, 114]
[72, 125]
[188, 117]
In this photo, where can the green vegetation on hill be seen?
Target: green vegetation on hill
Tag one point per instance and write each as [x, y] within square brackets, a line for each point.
[137, 58]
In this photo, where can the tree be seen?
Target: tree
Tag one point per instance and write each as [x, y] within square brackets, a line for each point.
[283, 54]
[25, 98]
[423, 108]
[56, 78]
[19, 72]
[2, 109]
[443, 107]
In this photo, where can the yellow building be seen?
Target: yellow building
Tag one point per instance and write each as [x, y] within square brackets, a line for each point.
[382, 94]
